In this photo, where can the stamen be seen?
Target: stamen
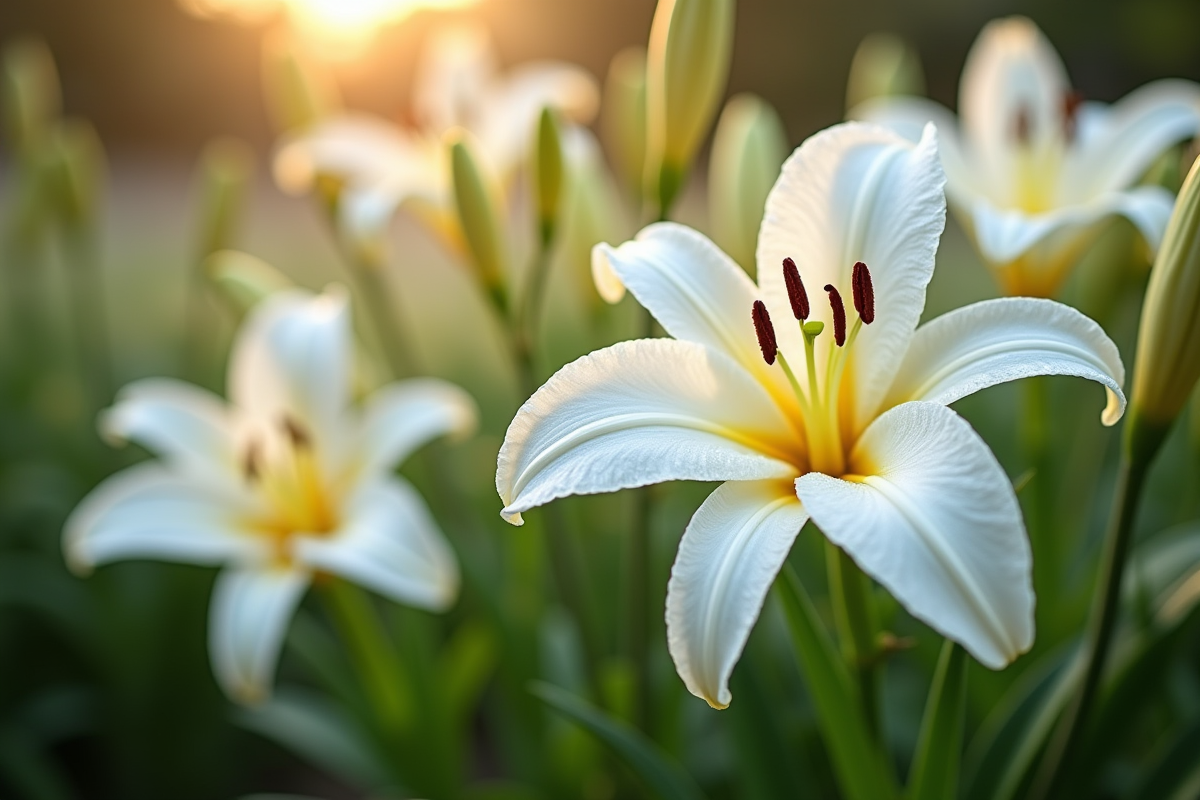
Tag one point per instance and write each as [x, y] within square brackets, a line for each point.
[864, 293]
[1071, 102]
[795, 290]
[296, 433]
[839, 315]
[765, 331]
[250, 462]
[1023, 125]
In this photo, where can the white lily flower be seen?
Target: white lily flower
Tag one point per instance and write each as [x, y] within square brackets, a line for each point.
[1032, 171]
[286, 481]
[381, 165]
[851, 431]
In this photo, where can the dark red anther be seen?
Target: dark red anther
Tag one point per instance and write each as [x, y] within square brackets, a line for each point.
[1023, 125]
[795, 290]
[839, 315]
[765, 331]
[295, 432]
[1071, 102]
[250, 462]
[864, 293]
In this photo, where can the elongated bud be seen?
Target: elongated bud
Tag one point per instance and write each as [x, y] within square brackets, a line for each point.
[839, 315]
[243, 280]
[795, 289]
[623, 116]
[224, 171]
[298, 91]
[864, 293]
[1168, 348]
[765, 331]
[548, 169]
[687, 67]
[748, 150]
[884, 65]
[477, 202]
[31, 94]
[78, 172]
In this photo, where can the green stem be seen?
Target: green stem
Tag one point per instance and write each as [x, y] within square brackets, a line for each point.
[850, 592]
[1038, 496]
[373, 291]
[91, 318]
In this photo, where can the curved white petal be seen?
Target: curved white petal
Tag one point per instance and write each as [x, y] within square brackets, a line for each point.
[1004, 235]
[401, 417]
[355, 148]
[856, 192]
[148, 512]
[934, 519]
[390, 544]
[637, 413]
[729, 556]
[1125, 139]
[291, 361]
[249, 615]
[697, 293]
[455, 71]
[186, 425]
[995, 341]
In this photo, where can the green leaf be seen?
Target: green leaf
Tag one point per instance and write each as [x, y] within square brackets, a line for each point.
[860, 767]
[934, 774]
[467, 663]
[663, 777]
[1176, 772]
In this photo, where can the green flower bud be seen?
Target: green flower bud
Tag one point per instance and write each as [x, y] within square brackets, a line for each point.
[884, 65]
[623, 116]
[1168, 349]
[77, 170]
[297, 91]
[748, 150]
[225, 169]
[32, 99]
[243, 280]
[477, 200]
[548, 172]
[691, 44]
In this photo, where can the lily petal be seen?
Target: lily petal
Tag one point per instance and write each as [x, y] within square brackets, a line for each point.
[401, 417]
[148, 512]
[637, 413]
[996, 341]
[250, 612]
[455, 71]
[186, 425]
[391, 544]
[355, 148]
[934, 519]
[696, 292]
[857, 192]
[730, 554]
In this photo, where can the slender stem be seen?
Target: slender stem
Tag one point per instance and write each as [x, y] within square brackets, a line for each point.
[91, 318]
[1038, 496]
[374, 293]
[1101, 626]
[851, 594]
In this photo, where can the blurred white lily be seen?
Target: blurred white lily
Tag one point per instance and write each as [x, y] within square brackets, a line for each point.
[287, 481]
[1032, 171]
[379, 165]
[850, 429]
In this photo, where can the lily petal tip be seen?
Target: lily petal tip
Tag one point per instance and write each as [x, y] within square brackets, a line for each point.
[608, 284]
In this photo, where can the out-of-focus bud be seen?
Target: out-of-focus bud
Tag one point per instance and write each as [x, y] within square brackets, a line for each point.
[298, 92]
[747, 153]
[225, 169]
[32, 99]
[242, 279]
[592, 212]
[687, 67]
[1168, 349]
[623, 116]
[477, 200]
[548, 173]
[884, 65]
[77, 170]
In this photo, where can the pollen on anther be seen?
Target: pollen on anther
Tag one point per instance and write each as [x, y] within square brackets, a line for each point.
[1023, 125]
[295, 432]
[1071, 102]
[839, 315]
[250, 462]
[795, 289]
[864, 293]
[765, 331]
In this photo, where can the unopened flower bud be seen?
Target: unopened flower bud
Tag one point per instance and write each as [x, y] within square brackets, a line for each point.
[884, 65]
[225, 169]
[477, 200]
[747, 153]
[32, 99]
[243, 280]
[77, 172]
[298, 92]
[548, 172]
[1168, 349]
[623, 116]
[691, 43]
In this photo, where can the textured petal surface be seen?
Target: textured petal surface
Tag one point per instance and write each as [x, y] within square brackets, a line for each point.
[149, 512]
[390, 544]
[728, 557]
[186, 425]
[637, 413]
[249, 615]
[934, 519]
[857, 192]
[698, 294]
[995, 341]
[401, 417]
